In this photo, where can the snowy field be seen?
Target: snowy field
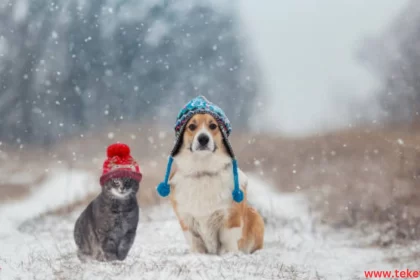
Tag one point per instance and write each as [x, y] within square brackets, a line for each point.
[37, 246]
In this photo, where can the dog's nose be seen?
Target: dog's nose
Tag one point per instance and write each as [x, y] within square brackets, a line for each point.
[203, 139]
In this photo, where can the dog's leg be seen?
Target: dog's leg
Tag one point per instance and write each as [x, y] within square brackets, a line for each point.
[197, 244]
[191, 229]
[231, 232]
[188, 237]
[229, 238]
[210, 231]
[256, 225]
[211, 240]
[186, 231]
[205, 235]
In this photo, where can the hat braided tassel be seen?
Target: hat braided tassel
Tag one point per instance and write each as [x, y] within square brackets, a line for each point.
[164, 188]
[237, 193]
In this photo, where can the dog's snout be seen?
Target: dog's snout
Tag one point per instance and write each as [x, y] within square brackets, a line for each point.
[203, 139]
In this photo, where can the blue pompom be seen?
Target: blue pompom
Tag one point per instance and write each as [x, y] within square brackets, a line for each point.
[238, 195]
[163, 189]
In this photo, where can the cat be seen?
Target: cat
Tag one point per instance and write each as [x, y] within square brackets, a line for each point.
[106, 229]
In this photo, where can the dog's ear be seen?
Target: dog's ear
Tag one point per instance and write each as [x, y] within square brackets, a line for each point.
[179, 143]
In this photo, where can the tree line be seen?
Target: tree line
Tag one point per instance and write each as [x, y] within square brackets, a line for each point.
[70, 65]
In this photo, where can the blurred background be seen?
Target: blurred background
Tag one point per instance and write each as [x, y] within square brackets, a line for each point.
[323, 95]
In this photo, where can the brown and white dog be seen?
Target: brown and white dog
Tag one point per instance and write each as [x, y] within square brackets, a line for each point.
[201, 185]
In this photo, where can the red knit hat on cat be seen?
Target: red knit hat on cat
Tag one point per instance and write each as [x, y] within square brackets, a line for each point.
[119, 164]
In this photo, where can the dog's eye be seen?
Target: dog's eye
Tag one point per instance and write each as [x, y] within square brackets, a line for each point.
[192, 127]
[212, 126]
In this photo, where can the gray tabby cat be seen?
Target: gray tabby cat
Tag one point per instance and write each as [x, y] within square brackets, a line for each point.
[106, 229]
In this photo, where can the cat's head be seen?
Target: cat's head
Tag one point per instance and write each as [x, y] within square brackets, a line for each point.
[121, 188]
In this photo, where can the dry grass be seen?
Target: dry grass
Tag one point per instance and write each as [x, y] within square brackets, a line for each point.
[18, 173]
[362, 178]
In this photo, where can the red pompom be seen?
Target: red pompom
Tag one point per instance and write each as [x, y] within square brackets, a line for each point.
[118, 149]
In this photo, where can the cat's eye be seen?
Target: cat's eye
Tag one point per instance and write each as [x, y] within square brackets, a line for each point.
[116, 182]
[213, 126]
[192, 127]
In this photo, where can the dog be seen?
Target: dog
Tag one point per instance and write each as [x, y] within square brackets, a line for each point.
[201, 185]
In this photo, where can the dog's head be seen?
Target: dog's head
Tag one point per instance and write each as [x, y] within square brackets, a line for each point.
[202, 135]
[202, 128]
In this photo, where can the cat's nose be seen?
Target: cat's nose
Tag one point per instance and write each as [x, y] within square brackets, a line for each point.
[121, 190]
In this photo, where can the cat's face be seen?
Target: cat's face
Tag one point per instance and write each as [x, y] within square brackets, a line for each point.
[121, 188]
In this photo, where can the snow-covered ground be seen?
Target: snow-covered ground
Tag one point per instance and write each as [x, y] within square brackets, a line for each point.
[35, 246]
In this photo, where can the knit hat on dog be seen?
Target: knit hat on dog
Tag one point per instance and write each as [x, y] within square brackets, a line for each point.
[200, 105]
[119, 164]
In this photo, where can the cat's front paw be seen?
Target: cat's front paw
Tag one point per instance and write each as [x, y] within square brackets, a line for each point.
[83, 257]
[111, 257]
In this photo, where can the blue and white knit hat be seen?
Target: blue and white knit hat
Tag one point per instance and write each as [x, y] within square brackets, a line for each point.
[200, 105]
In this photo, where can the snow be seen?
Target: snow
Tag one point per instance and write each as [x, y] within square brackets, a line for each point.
[20, 11]
[157, 32]
[35, 246]
[3, 46]
[60, 189]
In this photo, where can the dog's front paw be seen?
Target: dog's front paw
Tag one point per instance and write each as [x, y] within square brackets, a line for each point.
[198, 246]
[222, 251]
[225, 250]
[198, 250]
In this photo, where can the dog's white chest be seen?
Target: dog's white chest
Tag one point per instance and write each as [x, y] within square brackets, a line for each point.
[203, 195]
[203, 186]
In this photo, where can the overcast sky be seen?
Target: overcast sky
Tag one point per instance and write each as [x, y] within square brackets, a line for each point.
[306, 51]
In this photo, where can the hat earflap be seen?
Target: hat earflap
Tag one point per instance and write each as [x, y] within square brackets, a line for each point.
[237, 194]
[164, 188]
